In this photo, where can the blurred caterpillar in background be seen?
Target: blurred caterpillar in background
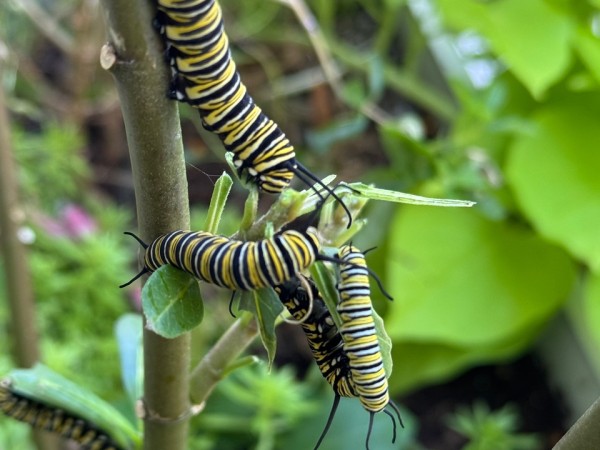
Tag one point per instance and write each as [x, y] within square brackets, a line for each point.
[54, 420]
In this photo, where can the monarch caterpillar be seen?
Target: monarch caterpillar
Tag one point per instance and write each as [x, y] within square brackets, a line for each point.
[54, 420]
[361, 344]
[328, 346]
[230, 263]
[323, 337]
[206, 77]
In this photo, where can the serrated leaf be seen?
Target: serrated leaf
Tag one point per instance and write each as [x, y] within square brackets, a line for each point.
[265, 305]
[43, 384]
[128, 331]
[537, 51]
[172, 302]
[459, 279]
[554, 175]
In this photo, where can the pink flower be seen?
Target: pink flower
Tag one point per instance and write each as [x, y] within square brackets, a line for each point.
[73, 222]
[77, 221]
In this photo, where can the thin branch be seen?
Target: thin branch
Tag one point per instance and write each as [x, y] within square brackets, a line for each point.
[135, 57]
[214, 364]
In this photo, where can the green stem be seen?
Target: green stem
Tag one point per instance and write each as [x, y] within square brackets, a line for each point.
[134, 56]
[213, 367]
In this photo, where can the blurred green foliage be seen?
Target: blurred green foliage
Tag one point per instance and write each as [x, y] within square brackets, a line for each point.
[255, 408]
[51, 168]
[479, 285]
[470, 286]
[77, 261]
[492, 430]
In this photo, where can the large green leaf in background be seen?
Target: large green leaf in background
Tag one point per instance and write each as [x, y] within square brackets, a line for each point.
[531, 37]
[467, 288]
[555, 175]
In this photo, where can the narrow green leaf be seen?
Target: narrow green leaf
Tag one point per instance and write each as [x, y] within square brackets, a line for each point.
[172, 302]
[42, 384]
[128, 331]
[373, 193]
[217, 203]
[385, 343]
[325, 282]
[250, 210]
[266, 307]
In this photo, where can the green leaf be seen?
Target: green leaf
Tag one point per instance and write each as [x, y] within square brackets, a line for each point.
[250, 210]
[588, 47]
[217, 203]
[373, 193]
[128, 331]
[172, 302]
[531, 37]
[422, 362]
[324, 280]
[461, 280]
[554, 175]
[266, 307]
[42, 384]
